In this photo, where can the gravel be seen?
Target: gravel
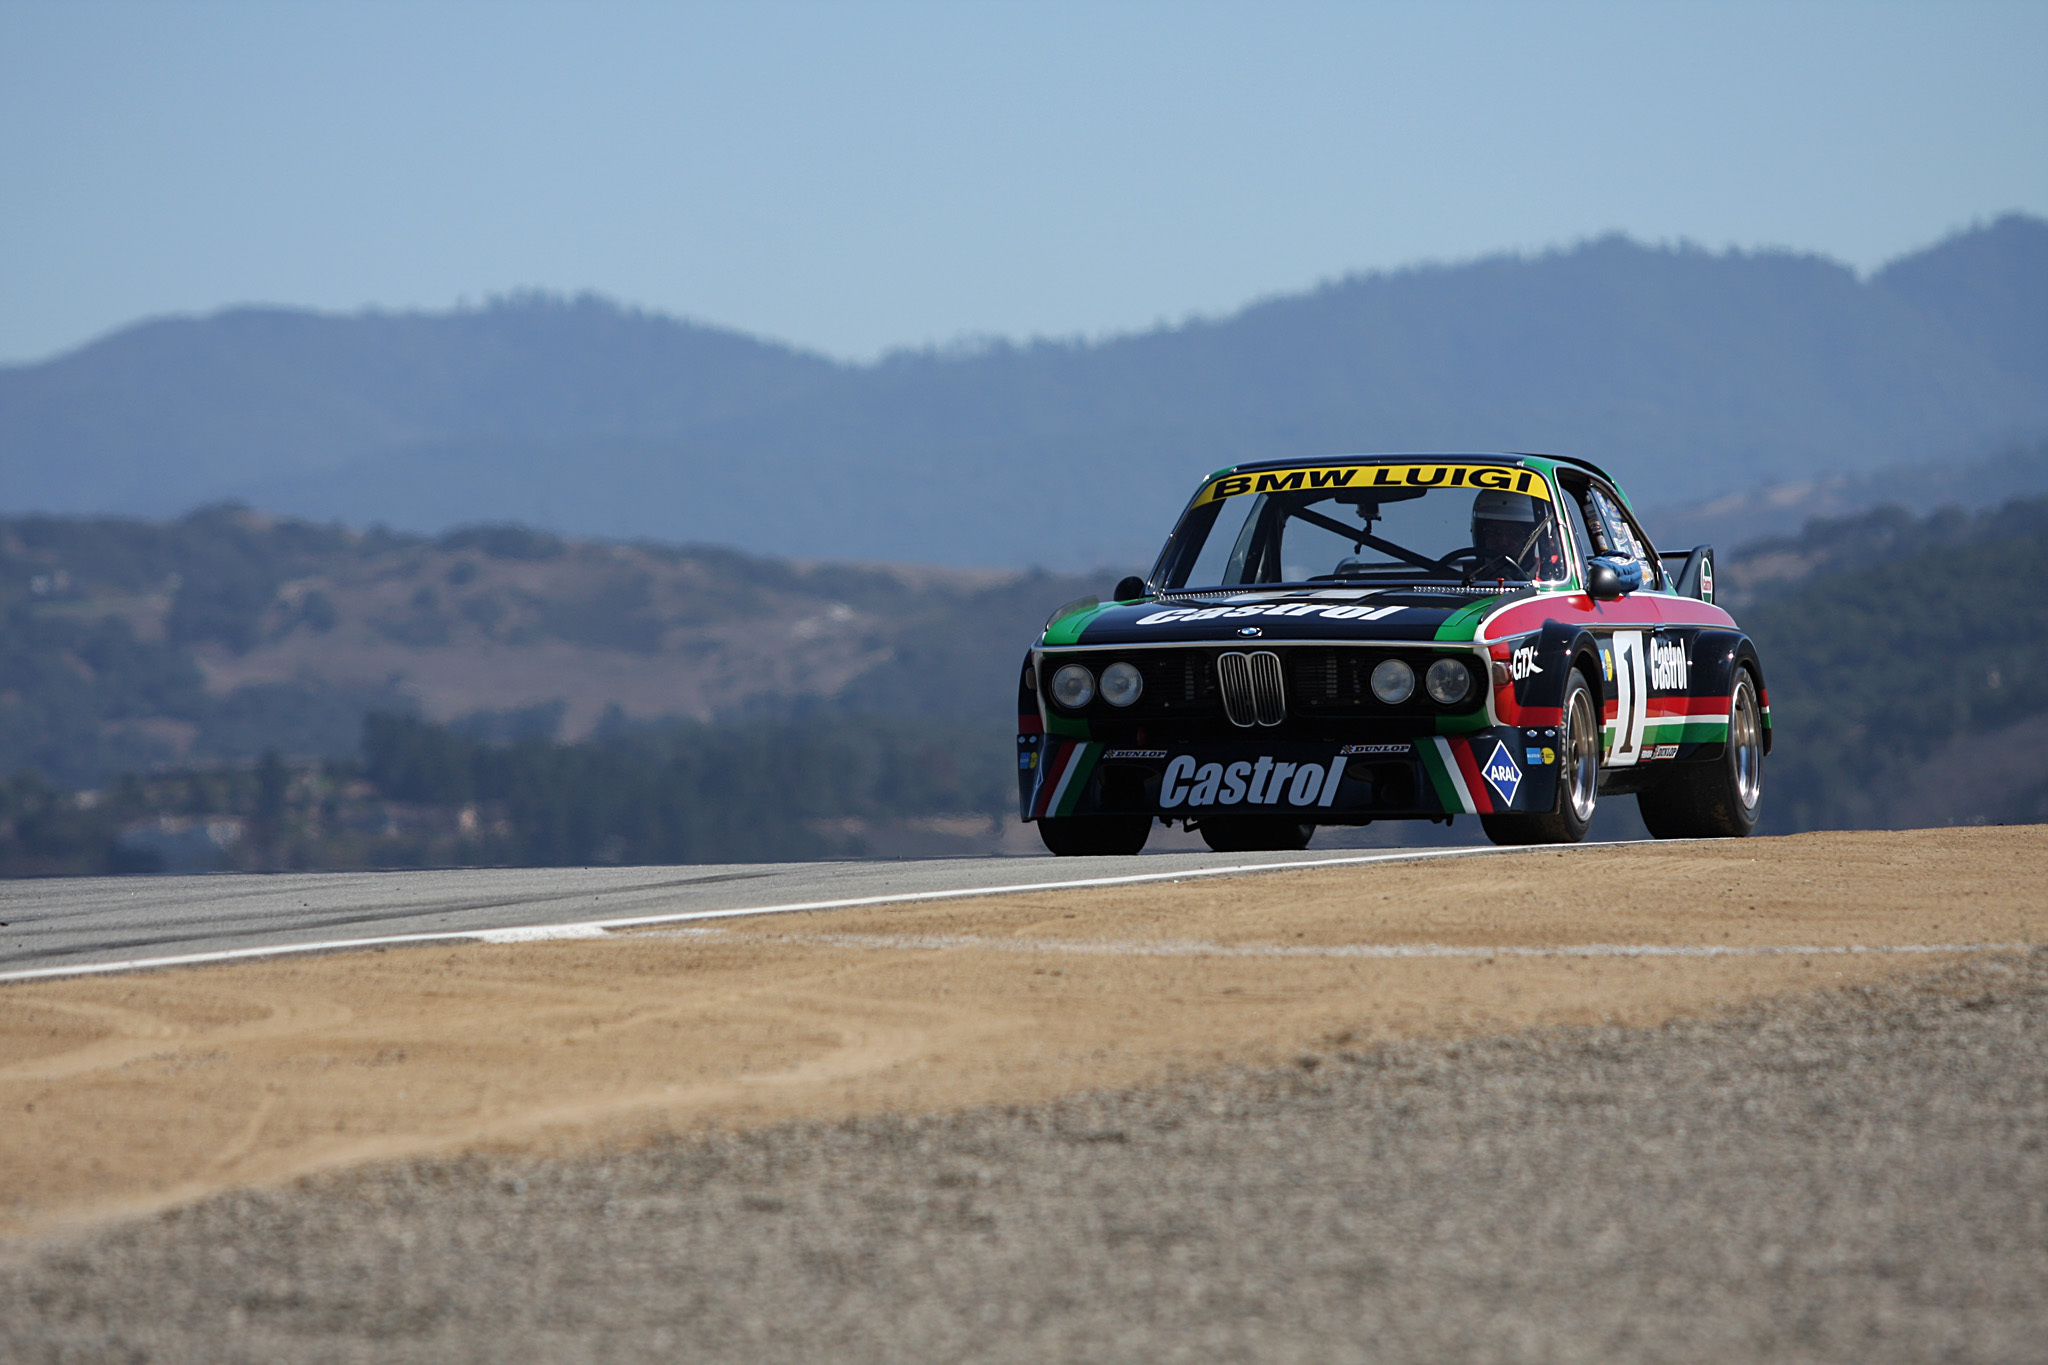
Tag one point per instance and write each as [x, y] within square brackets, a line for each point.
[1860, 1175]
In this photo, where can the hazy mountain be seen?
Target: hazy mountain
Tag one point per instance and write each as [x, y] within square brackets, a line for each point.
[131, 644]
[1694, 375]
[1733, 520]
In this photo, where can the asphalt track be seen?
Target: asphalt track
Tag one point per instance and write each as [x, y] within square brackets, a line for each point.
[62, 927]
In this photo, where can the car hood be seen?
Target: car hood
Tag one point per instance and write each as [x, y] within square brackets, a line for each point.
[1430, 613]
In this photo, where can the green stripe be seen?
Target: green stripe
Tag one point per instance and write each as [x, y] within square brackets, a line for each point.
[1471, 723]
[1067, 630]
[1686, 732]
[1439, 777]
[1461, 624]
[1084, 768]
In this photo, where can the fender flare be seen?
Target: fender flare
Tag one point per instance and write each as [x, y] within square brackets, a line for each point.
[1716, 655]
[1561, 647]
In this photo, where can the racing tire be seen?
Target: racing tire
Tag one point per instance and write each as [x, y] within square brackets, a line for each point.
[1578, 781]
[1254, 833]
[1720, 798]
[1085, 836]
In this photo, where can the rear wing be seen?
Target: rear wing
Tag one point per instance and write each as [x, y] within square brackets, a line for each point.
[1691, 574]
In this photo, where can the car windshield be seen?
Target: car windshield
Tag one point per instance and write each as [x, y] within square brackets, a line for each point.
[1460, 523]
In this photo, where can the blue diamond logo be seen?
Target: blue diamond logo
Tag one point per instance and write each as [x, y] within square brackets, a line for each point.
[1502, 773]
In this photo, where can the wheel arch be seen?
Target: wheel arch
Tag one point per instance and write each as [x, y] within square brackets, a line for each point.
[1717, 656]
[1566, 647]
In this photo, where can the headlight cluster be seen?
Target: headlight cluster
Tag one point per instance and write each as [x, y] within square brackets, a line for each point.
[1393, 682]
[1073, 686]
[1447, 681]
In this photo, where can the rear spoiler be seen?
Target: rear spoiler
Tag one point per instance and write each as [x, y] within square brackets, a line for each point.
[1692, 573]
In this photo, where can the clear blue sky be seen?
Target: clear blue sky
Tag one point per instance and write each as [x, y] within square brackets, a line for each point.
[854, 177]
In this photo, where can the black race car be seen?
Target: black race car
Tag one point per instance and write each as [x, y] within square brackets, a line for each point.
[1395, 637]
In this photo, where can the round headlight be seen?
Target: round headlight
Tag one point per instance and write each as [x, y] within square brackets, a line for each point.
[1121, 684]
[1073, 686]
[1393, 682]
[1448, 681]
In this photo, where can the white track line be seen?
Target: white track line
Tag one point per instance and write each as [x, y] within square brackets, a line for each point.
[594, 928]
[1185, 948]
[584, 929]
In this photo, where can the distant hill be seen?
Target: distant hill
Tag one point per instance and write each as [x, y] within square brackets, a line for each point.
[820, 708]
[1736, 519]
[1694, 375]
[130, 645]
[1907, 661]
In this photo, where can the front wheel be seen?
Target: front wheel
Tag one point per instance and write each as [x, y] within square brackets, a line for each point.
[1075, 836]
[1718, 799]
[1578, 780]
[1254, 833]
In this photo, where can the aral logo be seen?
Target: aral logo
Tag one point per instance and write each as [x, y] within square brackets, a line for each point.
[1524, 663]
[1502, 773]
[1669, 669]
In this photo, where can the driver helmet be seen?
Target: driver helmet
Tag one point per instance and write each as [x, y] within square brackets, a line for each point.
[1504, 527]
[1495, 506]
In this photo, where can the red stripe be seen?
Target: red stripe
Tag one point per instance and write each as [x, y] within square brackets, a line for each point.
[1687, 706]
[1057, 756]
[1646, 612]
[1468, 764]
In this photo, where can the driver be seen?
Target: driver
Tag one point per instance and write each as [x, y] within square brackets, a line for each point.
[1511, 534]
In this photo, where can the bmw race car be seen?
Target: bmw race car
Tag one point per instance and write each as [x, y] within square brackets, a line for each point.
[1395, 637]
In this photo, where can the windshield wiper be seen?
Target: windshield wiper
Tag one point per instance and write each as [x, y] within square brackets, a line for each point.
[1359, 536]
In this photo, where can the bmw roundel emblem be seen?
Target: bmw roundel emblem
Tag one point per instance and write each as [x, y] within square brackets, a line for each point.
[1249, 631]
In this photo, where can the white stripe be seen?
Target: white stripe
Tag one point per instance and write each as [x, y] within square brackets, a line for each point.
[1052, 807]
[1182, 948]
[541, 933]
[591, 928]
[1471, 807]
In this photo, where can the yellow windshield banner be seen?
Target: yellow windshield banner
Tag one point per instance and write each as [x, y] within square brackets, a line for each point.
[1359, 476]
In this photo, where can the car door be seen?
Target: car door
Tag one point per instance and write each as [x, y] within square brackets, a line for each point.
[1630, 627]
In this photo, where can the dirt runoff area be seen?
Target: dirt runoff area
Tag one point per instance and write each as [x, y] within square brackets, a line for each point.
[128, 1094]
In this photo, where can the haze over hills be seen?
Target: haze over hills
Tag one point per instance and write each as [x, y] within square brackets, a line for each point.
[718, 706]
[1694, 375]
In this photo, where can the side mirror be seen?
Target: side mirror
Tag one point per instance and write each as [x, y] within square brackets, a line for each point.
[1128, 588]
[1603, 584]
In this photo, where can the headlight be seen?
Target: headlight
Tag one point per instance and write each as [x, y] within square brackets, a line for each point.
[1121, 684]
[1073, 687]
[1393, 682]
[1448, 681]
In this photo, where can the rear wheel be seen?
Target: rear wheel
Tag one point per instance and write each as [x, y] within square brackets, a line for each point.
[1254, 833]
[1073, 836]
[1578, 779]
[1718, 799]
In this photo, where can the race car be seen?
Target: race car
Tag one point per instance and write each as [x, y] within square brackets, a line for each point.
[1395, 637]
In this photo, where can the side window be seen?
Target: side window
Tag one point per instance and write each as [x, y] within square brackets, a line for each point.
[1657, 579]
[1620, 535]
[1575, 517]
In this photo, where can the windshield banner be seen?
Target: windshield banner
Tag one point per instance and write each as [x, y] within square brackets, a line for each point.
[1361, 476]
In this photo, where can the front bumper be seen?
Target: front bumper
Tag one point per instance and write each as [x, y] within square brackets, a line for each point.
[1501, 769]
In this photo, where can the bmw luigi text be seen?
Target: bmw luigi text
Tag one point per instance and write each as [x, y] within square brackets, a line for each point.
[1390, 637]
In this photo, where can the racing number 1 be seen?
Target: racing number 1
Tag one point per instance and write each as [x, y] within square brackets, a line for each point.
[1630, 712]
